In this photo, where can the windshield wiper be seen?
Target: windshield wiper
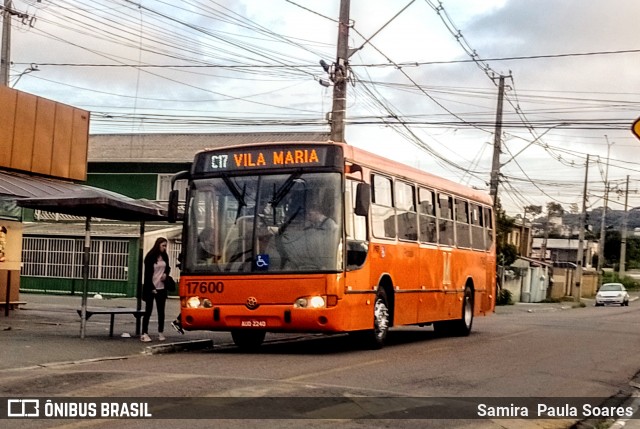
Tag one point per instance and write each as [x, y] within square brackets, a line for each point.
[287, 222]
[284, 189]
[236, 194]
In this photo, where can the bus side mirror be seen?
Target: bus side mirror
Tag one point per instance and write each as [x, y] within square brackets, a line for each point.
[172, 212]
[363, 199]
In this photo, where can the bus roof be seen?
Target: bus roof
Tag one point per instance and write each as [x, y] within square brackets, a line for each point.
[383, 165]
[398, 169]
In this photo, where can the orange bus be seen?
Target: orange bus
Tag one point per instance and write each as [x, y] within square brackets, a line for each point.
[329, 238]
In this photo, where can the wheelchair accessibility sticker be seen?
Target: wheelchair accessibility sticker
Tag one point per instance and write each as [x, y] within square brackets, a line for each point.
[262, 262]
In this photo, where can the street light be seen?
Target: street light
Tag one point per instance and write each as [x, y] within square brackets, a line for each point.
[31, 68]
[604, 212]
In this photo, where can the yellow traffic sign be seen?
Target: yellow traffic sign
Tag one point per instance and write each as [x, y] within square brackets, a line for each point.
[636, 128]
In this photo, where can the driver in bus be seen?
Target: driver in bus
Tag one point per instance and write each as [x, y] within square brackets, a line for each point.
[310, 244]
[316, 219]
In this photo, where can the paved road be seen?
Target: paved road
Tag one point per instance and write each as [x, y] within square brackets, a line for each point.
[47, 331]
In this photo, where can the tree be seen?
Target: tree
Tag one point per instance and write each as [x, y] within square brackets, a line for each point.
[612, 240]
[574, 209]
[554, 209]
[506, 253]
[633, 252]
[534, 210]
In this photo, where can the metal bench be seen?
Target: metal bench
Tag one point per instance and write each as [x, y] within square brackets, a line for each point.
[12, 304]
[112, 312]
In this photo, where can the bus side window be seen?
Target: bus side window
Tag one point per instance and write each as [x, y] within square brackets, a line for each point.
[445, 219]
[477, 232]
[488, 227]
[383, 218]
[427, 210]
[406, 212]
[463, 233]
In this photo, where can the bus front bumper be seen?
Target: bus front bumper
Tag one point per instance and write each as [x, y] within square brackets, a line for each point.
[274, 318]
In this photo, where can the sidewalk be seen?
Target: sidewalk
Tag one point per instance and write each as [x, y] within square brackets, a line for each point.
[538, 307]
[47, 329]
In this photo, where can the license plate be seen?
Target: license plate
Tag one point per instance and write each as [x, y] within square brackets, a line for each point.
[253, 323]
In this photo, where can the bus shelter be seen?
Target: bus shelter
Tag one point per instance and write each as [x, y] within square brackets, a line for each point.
[90, 202]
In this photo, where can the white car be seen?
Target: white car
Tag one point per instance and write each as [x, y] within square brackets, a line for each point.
[612, 293]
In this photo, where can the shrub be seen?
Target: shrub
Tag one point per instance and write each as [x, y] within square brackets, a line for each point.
[628, 282]
[504, 297]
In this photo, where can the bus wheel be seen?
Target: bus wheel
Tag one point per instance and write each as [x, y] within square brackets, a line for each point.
[462, 326]
[376, 337]
[248, 340]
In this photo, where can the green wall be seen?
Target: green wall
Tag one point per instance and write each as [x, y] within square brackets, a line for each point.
[131, 185]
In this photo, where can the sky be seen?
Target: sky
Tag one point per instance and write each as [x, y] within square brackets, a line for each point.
[423, 85]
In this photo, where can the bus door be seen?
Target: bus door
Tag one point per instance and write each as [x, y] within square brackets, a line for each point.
[358, 262]
[446, 241]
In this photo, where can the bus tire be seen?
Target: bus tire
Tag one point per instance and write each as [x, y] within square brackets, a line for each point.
[248, 340]
[374, 339]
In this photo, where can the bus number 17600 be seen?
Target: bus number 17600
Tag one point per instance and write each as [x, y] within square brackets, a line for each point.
[204, 287]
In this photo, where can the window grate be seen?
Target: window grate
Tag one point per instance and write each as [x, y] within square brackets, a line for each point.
[62, 258]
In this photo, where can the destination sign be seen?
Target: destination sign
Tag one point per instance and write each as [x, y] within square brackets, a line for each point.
[271, 157]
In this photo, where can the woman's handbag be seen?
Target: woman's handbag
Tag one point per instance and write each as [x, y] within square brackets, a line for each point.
[170, 284]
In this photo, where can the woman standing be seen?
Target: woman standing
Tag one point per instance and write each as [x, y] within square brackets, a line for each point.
[156, 270]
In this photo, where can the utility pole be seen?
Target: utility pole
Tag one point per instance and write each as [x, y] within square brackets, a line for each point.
[583, 216]
[523, 245]
[5, 51]
[497, 147]
[604, 215]
[623, 233]
[603, 230]
[5, 55]
[341, 75]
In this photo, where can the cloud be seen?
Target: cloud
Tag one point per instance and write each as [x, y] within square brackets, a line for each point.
[300, 33]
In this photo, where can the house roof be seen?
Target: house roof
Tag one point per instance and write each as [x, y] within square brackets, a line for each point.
[557, 243]
[178, 148]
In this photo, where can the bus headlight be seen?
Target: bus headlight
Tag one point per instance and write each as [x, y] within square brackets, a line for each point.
[309, 302]
[197, 302]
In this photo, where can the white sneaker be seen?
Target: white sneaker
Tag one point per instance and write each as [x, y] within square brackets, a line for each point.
[161, 337]
[145, 338]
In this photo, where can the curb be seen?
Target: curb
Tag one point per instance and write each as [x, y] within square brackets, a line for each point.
[633, 402]
[624, 398]
[179, 347]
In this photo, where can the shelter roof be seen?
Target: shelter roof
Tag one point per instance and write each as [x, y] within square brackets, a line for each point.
[76, 199]
[98, 229]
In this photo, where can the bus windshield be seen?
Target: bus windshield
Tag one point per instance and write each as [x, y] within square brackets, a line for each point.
[264, 223]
